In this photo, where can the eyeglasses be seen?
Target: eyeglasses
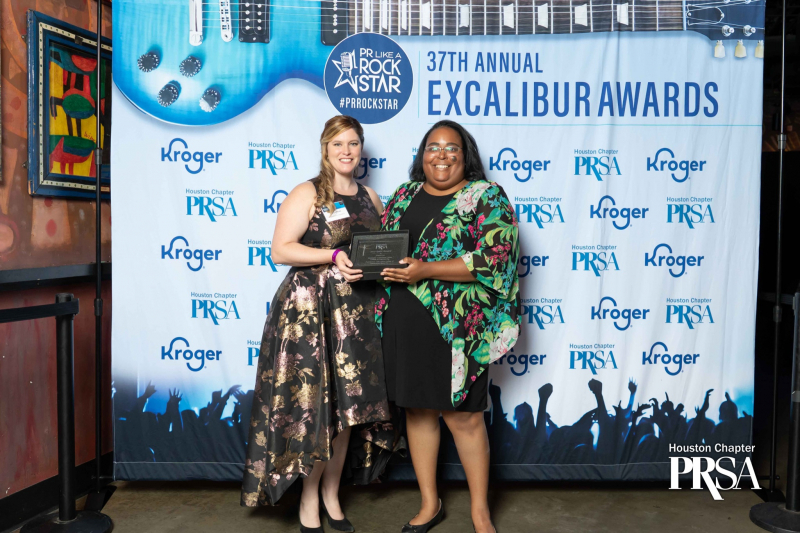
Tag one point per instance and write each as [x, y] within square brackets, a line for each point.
[435, 149]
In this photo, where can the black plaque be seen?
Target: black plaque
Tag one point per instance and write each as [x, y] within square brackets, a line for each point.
[371, 252]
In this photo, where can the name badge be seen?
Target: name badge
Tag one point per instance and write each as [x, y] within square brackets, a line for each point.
[338, 214]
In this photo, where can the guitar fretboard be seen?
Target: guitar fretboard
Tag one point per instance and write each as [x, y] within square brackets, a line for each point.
[496, 17]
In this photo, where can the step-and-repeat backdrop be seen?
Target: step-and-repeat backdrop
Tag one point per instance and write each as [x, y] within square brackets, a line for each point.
[627, 135]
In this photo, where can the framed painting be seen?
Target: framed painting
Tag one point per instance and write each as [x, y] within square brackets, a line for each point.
[62, 123]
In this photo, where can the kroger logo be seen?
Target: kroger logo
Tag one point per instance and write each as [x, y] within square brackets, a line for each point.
[274, 160]
[197, 255]
[543, 311]
[592, 359]
[695, 313]
[272, 206]
[540, 213]
[522, 169]
[617, 315]
[368, 163]
[214, 307]
[528, 261]
[679, 262]
[689, 211]
[664, 161]
[174, 154]
[210, 206]
[198, 357]
[518, 364]
[597, 262]
[658, 355]
[610, 211]
[598, 167]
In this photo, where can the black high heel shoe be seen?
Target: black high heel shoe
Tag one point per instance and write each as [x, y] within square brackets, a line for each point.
[339, 525]
[304, 529]
[423, 528]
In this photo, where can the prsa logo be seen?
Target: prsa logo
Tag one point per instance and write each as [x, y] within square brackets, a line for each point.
[259, 252]
[597, 258]
[665, 161]
[368, 163]
[197, 255]
[528, 261]
[211, 204]
[518, 364]
[253, 350]
[541, 211]
[610, 211]
[274, 204]
[182, 352]
[543, 312]
[658, 354]
[597, 163]
[704, 467]
[215, 307]
[174, 154]
[690, 311]
[523, 170]
[276, 157]
[623, 316]
[592, 357]
[673, 262]
[369, 77]
[689, 211]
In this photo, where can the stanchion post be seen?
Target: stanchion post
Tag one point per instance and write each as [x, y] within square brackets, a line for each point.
[793, 481]
[66, 412]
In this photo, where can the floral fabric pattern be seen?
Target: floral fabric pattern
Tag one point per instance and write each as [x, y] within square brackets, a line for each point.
[479, 320]
[320, 370]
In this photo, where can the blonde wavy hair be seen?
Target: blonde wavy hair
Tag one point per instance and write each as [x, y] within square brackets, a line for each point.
[333, 127]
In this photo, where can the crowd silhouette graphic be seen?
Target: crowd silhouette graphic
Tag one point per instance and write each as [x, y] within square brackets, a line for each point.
[601, 436]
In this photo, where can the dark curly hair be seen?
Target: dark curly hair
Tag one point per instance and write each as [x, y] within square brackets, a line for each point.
[473, 167]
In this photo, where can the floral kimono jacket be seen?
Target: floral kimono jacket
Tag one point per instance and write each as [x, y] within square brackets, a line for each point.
[480, 320]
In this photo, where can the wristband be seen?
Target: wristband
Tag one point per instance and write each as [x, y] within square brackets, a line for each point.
[335, 253]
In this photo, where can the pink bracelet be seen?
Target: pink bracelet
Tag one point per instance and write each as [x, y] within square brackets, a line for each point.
[335, 253]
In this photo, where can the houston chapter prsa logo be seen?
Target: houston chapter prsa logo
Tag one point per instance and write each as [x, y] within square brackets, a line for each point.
[177, 151]
[598, 163]
[690, 211]
[180, 350]
[595, 258]
[542, 210]
[211, 203]
[259, 253]
[592, 357]
[215, 307]
[544, 312]
[369, 77]
[271, 156]
[701, 468]
[692, 312]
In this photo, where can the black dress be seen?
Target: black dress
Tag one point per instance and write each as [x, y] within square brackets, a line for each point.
[417, 358]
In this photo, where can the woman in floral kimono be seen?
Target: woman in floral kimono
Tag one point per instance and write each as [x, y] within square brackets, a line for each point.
[320, 368]
[451, 311]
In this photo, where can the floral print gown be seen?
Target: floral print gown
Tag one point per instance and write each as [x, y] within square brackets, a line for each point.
[480, 320]
[320, 369]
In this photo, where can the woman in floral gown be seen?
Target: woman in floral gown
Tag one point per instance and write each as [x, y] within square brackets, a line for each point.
[320, 368]
[451, 312]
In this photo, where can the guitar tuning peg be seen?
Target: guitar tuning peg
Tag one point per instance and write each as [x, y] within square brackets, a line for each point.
[740, 50]
[759, 50]
[719, 49]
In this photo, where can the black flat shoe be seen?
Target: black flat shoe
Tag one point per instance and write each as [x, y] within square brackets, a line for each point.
[339, 525]
[423, 528]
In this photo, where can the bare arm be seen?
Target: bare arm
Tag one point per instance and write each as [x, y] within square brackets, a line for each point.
[376, 200]
[293, 218]
[450, 270]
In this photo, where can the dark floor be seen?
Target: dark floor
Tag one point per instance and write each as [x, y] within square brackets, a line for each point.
[202, 507]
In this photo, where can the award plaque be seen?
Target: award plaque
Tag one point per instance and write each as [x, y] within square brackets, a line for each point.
[371, 252]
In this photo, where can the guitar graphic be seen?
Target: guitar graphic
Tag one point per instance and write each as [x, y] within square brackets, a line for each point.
[200, 63]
